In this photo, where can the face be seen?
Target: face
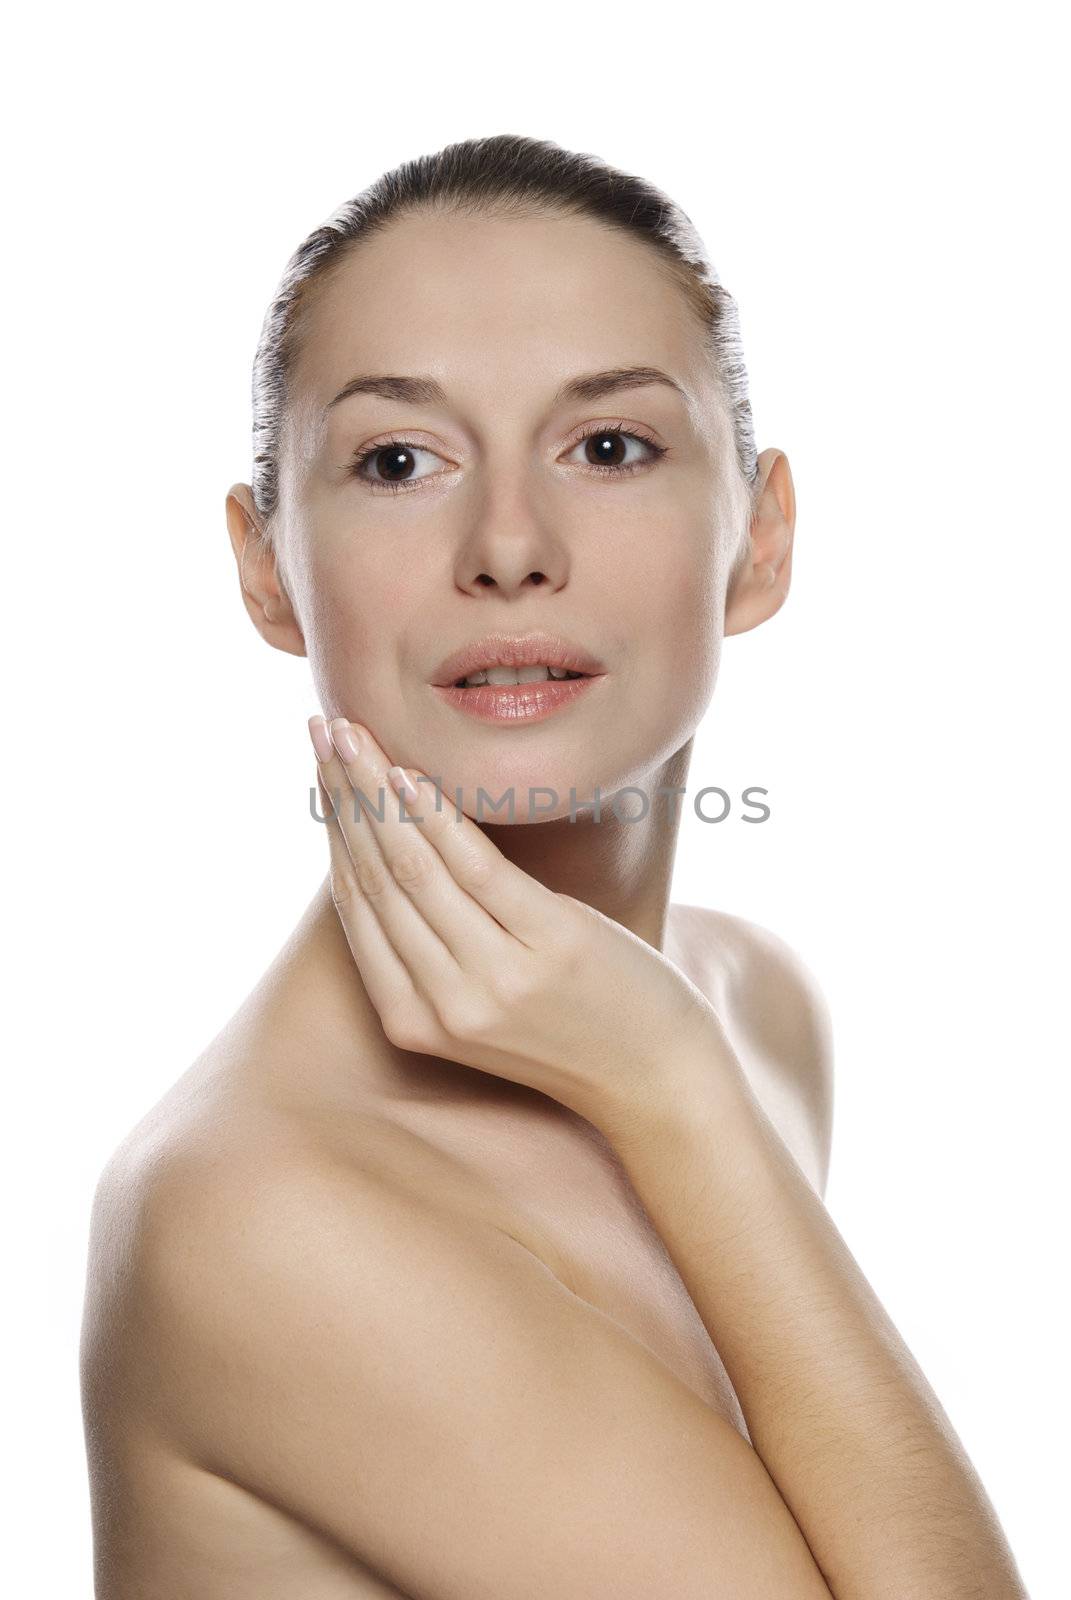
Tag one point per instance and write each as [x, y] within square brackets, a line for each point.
[412, 527]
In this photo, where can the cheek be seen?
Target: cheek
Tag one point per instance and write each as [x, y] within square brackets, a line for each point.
[359, 606]
[677, 616]
[671, 586]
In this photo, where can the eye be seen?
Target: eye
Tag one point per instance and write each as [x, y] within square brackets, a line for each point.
[604, 451]
[387, 467]
[394, 458]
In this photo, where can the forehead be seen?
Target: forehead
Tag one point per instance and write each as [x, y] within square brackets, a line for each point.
[500, 310]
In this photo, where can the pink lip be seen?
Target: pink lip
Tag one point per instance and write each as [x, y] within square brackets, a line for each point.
[518, 703]
[516, 650]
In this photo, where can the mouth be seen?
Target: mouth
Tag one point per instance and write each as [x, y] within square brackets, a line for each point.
[518, 679]
[502, 660]
[513, 675]
[517, 702]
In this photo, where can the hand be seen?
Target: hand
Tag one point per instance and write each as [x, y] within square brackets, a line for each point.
[466, 956]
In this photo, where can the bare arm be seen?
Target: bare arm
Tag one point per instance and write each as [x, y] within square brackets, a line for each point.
[836, 1406]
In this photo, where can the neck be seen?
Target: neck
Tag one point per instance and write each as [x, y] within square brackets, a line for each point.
[623, 868]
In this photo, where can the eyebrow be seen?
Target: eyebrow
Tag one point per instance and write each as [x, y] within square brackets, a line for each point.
[588, 386]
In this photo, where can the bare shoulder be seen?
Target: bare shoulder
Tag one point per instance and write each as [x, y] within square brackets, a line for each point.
[198, 1225]
[420, 1389]
[769, 1000]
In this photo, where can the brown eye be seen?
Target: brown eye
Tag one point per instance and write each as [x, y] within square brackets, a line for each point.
[606, 450]
[394, 463]
[390, 467]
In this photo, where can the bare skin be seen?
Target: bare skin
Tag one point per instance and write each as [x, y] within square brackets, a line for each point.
[368, 1315]
[303, 1082]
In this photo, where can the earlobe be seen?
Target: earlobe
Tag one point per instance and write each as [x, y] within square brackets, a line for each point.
[263, 593]
[759, 584]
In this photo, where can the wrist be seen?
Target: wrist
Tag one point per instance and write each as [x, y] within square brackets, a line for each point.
[695, 1082]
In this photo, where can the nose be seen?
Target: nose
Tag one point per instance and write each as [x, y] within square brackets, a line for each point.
[510, 549]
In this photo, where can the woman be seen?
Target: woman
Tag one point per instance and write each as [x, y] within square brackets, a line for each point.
[483, 1252]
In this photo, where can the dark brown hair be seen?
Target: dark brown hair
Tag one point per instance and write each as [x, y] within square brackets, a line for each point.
[508, 175]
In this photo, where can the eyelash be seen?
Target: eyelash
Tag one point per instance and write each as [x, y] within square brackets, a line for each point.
[379, 487]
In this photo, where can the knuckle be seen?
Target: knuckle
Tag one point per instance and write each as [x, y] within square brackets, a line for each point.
[514, 986]
[403, 1027]
[341, 892]
[473, 873]
[469, 1016]
[372, 878]
[411, 869]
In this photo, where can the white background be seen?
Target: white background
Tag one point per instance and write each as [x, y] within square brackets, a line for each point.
[881, 191]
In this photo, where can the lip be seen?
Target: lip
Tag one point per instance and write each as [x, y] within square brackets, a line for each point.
[519, 704]
[516, 650]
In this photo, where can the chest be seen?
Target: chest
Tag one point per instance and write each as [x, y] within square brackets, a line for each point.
[555, 1185]
[596, 1237]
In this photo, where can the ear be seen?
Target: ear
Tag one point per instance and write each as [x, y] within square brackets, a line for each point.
[758, 585]
[263, 591]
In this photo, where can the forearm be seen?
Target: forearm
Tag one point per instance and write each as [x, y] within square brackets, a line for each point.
[837, 1408]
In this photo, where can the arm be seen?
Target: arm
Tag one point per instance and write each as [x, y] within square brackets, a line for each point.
[840, 1413]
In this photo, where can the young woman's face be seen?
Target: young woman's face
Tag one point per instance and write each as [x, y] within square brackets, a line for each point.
[500, 517]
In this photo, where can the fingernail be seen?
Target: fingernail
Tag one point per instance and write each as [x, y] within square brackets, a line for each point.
[345, 739]
[402, 783]
[321, 739]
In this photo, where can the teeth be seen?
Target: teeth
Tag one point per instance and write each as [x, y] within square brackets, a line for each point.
[517, 675]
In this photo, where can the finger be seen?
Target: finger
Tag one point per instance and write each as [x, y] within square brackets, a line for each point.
[474, 938]
[371, 883]
[382, 971]
[519, 903]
